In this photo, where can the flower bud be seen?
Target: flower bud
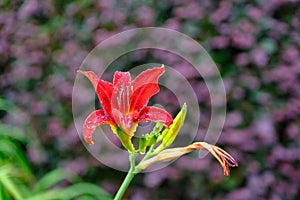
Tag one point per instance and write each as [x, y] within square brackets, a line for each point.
[142, 144]
[168, 135]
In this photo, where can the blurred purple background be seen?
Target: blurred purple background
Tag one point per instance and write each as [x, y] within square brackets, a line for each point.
[254, 43]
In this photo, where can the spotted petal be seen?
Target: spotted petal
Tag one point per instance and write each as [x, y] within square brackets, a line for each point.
[91, 76]
[148, 76]
[141, 96]
[155, 114]
[94, 120]
[145, 85]
[104, 92]
[103, 89]
[122, 91]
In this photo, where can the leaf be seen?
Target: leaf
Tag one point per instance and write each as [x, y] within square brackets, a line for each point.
[85, 189]
[16, 189]
[52, 178]
[16, 155]
[6, 105]
[12, 132]
[3, 193]
[47, 195]
[71, 192]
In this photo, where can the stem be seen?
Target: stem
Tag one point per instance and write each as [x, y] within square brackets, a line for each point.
[148, 155]
[132, 172]
[127, 179]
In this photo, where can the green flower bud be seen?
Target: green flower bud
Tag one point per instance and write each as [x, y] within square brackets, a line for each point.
[168, 135]
[143, 144]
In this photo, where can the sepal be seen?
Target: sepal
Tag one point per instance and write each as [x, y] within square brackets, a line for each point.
[125, 139]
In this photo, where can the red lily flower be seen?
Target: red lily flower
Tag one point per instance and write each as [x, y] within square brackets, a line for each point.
[124, 102]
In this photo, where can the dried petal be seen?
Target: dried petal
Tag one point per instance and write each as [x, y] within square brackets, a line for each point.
[225, 159]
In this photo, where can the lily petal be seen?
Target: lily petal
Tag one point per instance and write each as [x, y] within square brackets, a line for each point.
[224, 158]
[145, 85]
[91, 76]
[141, 96]
[124, 122]
[94, 120]
[122, 91]
[148, 76]
[103, 89]
[155, 114]
[104, 92]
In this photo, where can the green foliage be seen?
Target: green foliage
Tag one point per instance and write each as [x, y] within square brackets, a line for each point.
[17, 181]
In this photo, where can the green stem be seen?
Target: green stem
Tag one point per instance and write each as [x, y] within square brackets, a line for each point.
[132, 172]
[149, 154]
[127, 179]
[146, 157]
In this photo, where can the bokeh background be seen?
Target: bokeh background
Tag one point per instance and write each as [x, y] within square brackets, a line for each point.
[255, 45]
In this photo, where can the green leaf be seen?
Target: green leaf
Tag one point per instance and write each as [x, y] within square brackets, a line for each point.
[52, 178]
[12, 132]
[14, 187]
[48, 195]
[85, 189]
[15, 154]
[3, 193]
[6, 105]
[73, 191]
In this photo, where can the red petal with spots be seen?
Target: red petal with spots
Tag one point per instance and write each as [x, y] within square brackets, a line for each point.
[141, 96]
[104, 92]
[155, 114]
[91, 76]
[122, 91]
[145, 85]
[148, 76]
[94, 120]
[103, 89]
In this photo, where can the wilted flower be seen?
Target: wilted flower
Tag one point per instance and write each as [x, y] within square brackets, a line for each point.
[124, 103]
[224, 158]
